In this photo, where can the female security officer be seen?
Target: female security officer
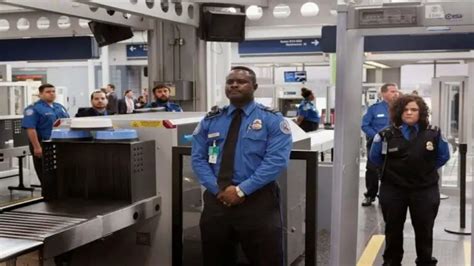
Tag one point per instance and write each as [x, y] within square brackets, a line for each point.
[308, 116]
[410, 152]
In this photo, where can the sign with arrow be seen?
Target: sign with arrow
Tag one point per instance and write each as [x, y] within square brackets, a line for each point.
[137, 51]
[284, 46]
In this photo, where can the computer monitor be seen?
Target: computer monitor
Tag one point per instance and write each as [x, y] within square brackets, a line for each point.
[295, 76]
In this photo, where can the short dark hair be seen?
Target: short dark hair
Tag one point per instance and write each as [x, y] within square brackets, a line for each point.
[253, 76]
[95, 92]
[385, 86]
[306, 92]
[127, 91]
[44, 86]
[161, 86]
[112, 86]
[398, 107]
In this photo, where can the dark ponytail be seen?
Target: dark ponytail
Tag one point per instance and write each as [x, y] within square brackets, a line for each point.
[306, 93]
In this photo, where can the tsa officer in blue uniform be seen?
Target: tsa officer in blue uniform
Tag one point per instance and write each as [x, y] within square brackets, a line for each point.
[162, 96]
[238, 152]
[410, 152]
[376, 119]
[308, 116]
[38, 121]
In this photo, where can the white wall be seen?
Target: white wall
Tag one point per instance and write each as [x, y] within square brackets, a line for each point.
[75, 79]
[418, 77]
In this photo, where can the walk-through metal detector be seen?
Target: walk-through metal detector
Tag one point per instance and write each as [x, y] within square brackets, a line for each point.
[354, 23]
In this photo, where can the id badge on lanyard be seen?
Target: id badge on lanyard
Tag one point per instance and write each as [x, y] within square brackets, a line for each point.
[213, 153]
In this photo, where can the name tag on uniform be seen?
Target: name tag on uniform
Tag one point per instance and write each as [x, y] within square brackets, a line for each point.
[213, 135]
[380, 115]
[393, 149]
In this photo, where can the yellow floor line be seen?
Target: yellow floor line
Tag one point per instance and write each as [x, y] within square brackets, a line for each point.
[467, 253]
[371, 250]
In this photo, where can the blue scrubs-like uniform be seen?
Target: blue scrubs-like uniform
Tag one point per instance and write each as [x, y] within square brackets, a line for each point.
[169, 106]
[262, 153]
[42, 116]
[307, 109]
[375, 119]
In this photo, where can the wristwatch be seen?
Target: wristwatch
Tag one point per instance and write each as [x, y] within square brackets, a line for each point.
[240, 193]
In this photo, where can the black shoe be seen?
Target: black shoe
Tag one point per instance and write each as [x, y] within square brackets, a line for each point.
[368, 201]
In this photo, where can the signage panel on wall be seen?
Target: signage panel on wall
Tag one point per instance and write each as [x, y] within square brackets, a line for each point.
[137, 50]
[284, 46]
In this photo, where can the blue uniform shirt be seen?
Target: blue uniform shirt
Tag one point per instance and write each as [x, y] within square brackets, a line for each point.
[376, 119]
[41, 116]
[377, 158]
[308, 110]
[169, 106]
[262, 150]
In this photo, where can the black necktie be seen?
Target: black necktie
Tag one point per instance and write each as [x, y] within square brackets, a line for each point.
[412, 133]
[228, 153]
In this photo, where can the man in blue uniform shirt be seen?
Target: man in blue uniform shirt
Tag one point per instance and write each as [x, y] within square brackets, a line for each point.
[38, 121]
[376, 119]
[162, 96]
[238, 153]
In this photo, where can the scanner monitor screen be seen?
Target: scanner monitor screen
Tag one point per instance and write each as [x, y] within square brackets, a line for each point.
[295, 76]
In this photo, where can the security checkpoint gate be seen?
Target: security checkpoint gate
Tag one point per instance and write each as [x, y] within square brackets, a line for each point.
[354, 24]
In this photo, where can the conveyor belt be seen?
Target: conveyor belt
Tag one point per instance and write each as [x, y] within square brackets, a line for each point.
[32, 226]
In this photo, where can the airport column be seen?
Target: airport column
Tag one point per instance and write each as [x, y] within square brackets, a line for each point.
[344, 209]
[155, 58]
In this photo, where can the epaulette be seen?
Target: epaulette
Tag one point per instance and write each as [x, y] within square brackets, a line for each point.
[386, 132]
[215, 111]
[434, 128]
[268, 109]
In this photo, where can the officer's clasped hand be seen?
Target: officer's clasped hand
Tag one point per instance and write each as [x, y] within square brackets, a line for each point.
[229, 197]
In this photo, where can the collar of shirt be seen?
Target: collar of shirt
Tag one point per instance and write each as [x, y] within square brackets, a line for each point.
[46, 104]
[406, 130]
[248, 109]
[160, 104]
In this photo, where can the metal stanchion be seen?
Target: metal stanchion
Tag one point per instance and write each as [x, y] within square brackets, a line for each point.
[461, 230]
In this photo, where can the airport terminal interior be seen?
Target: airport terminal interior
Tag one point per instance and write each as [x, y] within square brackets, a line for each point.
[122, 188]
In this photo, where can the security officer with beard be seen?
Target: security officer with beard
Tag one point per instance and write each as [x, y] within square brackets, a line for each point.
[162, 95]
[410, 152]
[238, 152]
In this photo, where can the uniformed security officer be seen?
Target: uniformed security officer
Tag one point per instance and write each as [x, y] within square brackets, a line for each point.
[99, 105]
[376, 119]
[238, 152]
[308, 116]
[39, 119]
[410, 153]
[162, 96]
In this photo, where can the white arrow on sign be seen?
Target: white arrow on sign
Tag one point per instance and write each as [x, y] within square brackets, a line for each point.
[132, 48]
[315, 42]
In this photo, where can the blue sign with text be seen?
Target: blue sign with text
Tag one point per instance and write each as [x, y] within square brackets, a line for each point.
[286, 46]
[137, 50]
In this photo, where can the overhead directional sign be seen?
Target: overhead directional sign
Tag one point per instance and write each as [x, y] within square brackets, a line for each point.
[137, 50]
[285, 46]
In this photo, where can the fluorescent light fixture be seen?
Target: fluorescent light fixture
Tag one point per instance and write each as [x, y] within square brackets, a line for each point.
[376, 64]
[368, 66]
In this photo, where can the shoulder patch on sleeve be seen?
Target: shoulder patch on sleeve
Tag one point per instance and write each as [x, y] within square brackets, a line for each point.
[285, 127]
[29, 112]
